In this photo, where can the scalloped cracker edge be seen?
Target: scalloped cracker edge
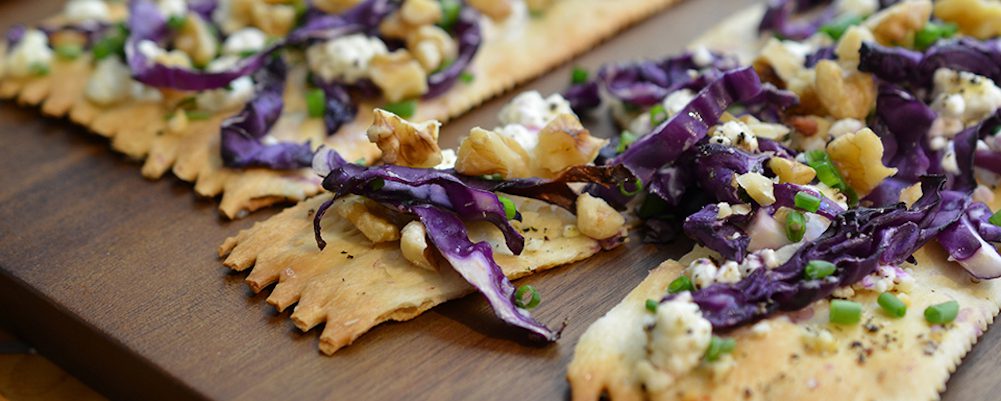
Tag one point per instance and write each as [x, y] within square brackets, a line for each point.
[354, 285]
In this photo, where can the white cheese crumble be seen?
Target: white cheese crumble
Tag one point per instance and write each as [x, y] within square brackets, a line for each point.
[679, 336]
[244, 41]
[701, 56]
[673, 104]
[172, 8]
[346, 58]
[858, 8]
[962, 99]
[702, 272]
[729, 272]
[86, 10]
[448, 158]
[886, 278]
[240, 91]
[533, 111]
[30, 55]
[110, 83]
[735, 133]
[527, 114]
[949, 163]
[845, 126]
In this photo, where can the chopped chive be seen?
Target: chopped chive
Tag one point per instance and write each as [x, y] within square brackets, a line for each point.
[578, 76]
[467, 77]
[828, 174]
[361, 161]
[625, 139]
[651, 305]
[405, 108]
[806, 201]
[636, 189]
[195, 115]
[996, 218]
[69, 51]
[112, 43]
[38, 69]
[795, 225]
[818, 269]
[246, 53]
[520, 295]
[931, 33]
[942, 313]
[510, 210]
[682, 283]
[176, 22]
[845, 312]
[377, 184]
[657, 115]
[719, 346]
[449, 14]
[892, 305]
[838, 27]
[316, 103]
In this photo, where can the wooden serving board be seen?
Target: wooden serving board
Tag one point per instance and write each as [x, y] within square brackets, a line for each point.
[116, 278]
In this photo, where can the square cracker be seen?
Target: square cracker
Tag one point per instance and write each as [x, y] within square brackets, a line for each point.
[353, 284]
[512, 52]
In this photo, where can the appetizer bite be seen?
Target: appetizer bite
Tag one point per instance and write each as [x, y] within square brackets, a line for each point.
[425, 225]
[840, 193]
[236, 95]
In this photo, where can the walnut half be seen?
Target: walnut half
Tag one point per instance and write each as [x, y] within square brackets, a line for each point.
[564, 143]
[405, 143]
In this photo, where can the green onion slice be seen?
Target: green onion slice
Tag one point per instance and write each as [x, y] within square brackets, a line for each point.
[510, 210]
[316, 103]
[845, 312]
[657, 115]
[176, 22]
[892, 305]
[69, 51]
[931, 33]
[719, 346]
[795, 225]
[682, 283]
[519, 297]
[636, 189]
[196, 115]
[405, 108]
[818, 269]
[996, 218]
[625, 139]
[807, 201]
[578, 76]
[467, 77]
[942, 313]
[449, 14]
[838, 27]
[651, 305]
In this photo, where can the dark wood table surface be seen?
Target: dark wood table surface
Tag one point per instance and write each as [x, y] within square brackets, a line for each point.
[116, 278]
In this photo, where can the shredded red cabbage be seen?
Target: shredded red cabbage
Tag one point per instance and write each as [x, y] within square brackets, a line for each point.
[907, 67]
[243, 134]
[469, 38]
[779, 15]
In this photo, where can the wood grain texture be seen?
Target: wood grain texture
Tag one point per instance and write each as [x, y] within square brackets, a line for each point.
[115, 278]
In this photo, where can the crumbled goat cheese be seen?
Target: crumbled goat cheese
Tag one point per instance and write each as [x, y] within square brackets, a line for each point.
[533, 111]
[346, 58]
[858, 8]
[239, 92]
[679, 336]
[86, 10]
[172, 8]
[735, 133]
[244, 41]
[30, 55]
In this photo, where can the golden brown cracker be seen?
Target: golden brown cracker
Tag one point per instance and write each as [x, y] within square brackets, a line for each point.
[513, 52]
[354, 285]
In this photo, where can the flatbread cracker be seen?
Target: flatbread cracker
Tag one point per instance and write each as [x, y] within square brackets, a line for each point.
[882, 358]
[354, 285]
[512, 52]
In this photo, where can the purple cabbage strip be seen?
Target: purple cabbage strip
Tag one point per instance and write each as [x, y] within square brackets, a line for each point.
[903, 122]
[823, 53]
[857, 242]
[583, 97]
[469, 38]
[392, 183]
[681, 132]
[338, 107]
[966, 241]
[15, 34]
[785, 195]
[726, 236]
[779, 14]
[646, 83]
[989, 159]
[717, 167]
[242, 134]
[907, 67]
[475, 263]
